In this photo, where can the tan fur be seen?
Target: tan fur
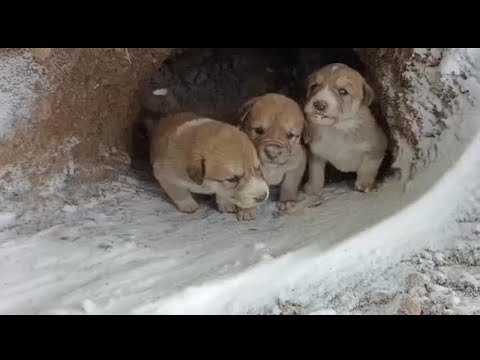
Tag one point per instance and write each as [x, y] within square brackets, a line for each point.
[340, 127]
[198, 155]
[282, 155]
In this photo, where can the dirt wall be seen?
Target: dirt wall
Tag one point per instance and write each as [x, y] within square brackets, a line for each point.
[416, 96]
[82, 113]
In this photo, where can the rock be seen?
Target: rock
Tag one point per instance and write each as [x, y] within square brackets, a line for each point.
[437, 309]
[415, 280]
[41, 54]
[345, 300]
[440, 278]
[407, 305]
[418, 291]
[452, 302]
[379, 297]
[289, 308]
[426, 255]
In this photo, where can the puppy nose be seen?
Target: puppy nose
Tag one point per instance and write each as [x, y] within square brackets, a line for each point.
[261, 198]
[320, 105]
[273, 151]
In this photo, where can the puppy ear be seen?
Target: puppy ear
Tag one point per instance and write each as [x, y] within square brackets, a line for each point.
[368, 94]
[196, 172]
[245, 109]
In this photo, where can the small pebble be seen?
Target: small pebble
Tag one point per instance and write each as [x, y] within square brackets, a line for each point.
[160, 92]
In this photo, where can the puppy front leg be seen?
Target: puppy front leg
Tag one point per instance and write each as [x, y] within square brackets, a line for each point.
[316, 175]
[368, 172]
[290, 185]
[225, 206]
[180, 196]
[247, 214]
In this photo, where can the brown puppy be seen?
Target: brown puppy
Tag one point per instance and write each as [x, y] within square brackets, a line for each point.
[340, 127]
[200, 155]
[275, 124]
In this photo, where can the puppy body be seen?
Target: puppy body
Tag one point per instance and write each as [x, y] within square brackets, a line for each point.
[200, 155]
[275, 124]
[341, 129]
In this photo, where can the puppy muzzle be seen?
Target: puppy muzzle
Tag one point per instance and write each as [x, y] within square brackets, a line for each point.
[274, 151]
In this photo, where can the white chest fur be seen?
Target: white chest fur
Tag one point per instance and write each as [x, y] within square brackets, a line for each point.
[273, 175]
[344, 150]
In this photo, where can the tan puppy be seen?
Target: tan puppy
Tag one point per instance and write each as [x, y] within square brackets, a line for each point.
[275, 124]
[200, 155]
[340, 127]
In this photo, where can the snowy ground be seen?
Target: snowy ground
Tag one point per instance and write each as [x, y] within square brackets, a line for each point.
[119, 248]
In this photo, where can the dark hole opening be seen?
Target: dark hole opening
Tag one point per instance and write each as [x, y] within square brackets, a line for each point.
[214, 82]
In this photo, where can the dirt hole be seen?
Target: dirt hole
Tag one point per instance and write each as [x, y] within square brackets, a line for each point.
[214, 82]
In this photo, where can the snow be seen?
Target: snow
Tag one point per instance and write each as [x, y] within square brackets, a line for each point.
[6, 219]
[18, 76]
[119, 248]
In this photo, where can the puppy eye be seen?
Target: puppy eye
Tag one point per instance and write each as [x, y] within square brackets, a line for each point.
[343, 92]
[258, 131]
[315, 87]
[291, 135]
[233, 179]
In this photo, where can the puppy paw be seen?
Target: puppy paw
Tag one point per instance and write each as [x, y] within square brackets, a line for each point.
[246, 214]
[365, 187]
[188, 206]
[226, 207]
[286, 205]
[311, 189]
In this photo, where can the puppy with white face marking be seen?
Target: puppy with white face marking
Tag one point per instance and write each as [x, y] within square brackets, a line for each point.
[200, 155]
[275, 124]
[340, 127]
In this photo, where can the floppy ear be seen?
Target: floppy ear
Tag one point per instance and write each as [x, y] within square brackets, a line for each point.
[368, 94]
[196, 171]
[245, 109]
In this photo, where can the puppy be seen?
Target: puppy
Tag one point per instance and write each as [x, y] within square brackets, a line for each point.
[340, 127]
[275, 124]
[200, 155]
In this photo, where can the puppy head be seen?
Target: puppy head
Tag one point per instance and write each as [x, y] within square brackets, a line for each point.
[229, 166]
[335, 93]
[274, 123]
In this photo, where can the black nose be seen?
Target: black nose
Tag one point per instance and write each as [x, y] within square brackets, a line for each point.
[320, 105]
[261, 198]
